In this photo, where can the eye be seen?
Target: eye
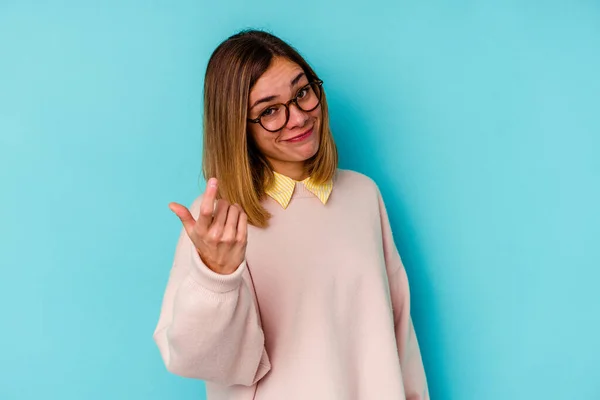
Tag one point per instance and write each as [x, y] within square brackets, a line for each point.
[269, 112]
[302, 92]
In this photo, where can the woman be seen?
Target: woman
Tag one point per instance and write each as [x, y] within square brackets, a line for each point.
[286, 282]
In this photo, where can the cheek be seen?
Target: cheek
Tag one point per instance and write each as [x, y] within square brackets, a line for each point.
[318, 120]
[263, 140]
[317, 115]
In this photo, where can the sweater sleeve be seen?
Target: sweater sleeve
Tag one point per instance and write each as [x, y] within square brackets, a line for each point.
[413, 372]
[209, 327]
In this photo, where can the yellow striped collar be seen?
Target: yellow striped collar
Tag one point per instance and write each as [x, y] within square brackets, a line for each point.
[282, 189]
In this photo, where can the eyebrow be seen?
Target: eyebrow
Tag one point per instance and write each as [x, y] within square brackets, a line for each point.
[270, 98]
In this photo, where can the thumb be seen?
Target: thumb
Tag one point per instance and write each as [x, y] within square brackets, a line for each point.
[184, 215]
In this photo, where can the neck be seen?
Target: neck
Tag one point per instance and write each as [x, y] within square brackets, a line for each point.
[296, 171]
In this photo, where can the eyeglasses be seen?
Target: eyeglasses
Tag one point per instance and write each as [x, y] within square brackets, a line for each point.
[275, 117]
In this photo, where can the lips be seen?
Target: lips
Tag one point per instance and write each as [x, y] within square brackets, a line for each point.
[300, 137]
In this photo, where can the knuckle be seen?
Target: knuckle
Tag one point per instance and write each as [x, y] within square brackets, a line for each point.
[229, 240]
[228, 236]
[214, 235]
[206, 211]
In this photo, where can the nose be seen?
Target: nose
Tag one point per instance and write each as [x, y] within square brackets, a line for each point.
[297, 117]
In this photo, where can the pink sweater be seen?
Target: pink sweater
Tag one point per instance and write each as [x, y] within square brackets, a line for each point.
[319, 310]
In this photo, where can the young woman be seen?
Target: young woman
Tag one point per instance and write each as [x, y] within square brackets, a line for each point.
[286, 282]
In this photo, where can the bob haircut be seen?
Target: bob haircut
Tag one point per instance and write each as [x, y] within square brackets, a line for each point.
[229, 152]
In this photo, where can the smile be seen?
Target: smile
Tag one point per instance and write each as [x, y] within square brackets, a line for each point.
[300, 137]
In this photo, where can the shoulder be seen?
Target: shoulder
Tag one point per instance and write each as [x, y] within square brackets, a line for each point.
[355, 181]
[362, 189]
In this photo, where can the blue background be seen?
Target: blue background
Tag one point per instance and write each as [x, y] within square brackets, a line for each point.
[478, 119]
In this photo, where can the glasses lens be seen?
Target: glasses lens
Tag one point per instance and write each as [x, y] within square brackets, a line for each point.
[273, 118]
[309, 96]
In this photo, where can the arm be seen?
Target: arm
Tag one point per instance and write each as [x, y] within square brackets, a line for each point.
[413, 373]
[209, 327]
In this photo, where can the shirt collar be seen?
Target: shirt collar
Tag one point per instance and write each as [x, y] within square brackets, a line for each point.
[283, 186]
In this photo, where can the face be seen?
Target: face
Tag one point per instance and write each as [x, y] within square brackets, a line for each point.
[288, 148]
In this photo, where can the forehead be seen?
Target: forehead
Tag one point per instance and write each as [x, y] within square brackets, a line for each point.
[276, 79]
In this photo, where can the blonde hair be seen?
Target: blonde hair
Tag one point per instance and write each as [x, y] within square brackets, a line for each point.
[229, 152]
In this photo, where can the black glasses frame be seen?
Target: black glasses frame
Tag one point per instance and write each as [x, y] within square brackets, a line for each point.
[319, 84]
